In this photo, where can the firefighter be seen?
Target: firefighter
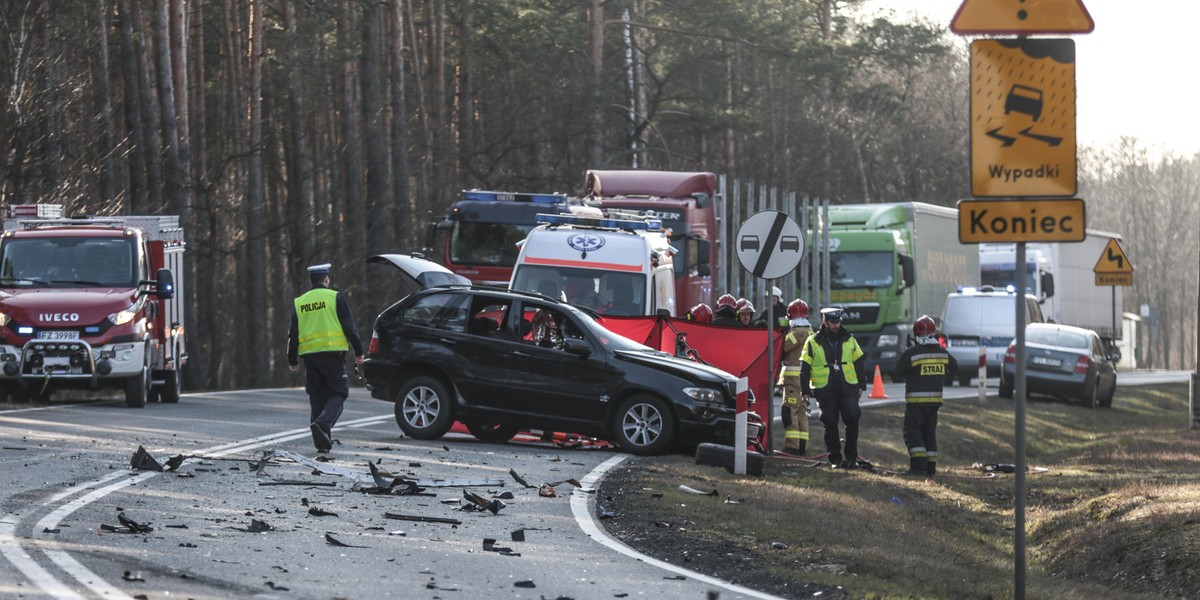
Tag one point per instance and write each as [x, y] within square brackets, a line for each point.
[726, 311]
[923, 367]
[831, 370]
[321, 331]
[700, 313]
[745, 312]
[795, 404]
[777, 314]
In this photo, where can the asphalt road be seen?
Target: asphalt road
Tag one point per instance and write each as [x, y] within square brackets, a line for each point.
[68, 481]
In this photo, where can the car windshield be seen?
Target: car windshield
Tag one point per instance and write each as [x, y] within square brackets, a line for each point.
[850, 270]
[1002, 275]
[1057, 337]
[64, 262]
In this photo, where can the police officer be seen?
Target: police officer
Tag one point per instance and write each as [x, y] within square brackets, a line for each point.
[831, 370]
[726, 311]
[321, 331]
[795, 404]
[923, 368]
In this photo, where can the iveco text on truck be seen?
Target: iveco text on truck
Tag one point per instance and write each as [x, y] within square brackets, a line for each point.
[90, 303]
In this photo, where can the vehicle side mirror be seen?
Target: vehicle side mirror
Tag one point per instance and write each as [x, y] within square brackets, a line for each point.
[908, 272]
[577, 347]
[701, 199]
[164, 285]
[703, 249]
[1047, 284]
[1114, 355]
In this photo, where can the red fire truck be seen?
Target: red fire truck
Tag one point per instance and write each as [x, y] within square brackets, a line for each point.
[479, 234]
[683, 201]
[89, 303]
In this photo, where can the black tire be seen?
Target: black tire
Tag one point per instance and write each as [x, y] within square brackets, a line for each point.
[1006, 388]
[644, 425]
[1091, 398]
[1107, 400]
[170, 390]
[492, 433]
[137, 389]
[719, 455]
[424, 408]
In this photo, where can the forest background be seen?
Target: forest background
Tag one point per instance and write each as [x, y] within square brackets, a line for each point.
[291, 132]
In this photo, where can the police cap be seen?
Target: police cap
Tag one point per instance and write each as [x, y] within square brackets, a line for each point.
[320, 270]
[832, 314]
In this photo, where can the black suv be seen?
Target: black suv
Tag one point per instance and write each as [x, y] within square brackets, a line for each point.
[501, 361]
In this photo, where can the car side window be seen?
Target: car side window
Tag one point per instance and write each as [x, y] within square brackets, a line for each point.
[546, 327]
[488, 317]
[445, 311]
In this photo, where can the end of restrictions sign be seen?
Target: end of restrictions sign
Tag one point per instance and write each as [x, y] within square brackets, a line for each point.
[1011, 221]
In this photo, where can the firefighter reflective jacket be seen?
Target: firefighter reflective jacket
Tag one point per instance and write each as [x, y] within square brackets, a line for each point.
[793, 347]
[319, 329]
[817, 368]
[924, 369]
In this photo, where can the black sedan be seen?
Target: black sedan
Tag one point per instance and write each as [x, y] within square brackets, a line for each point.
[500, 362]
[1063, 361]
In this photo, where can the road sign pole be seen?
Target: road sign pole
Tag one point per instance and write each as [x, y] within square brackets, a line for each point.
[769, 444]
[1019, 398]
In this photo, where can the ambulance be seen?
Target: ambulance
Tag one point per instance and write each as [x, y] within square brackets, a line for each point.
[612, 266]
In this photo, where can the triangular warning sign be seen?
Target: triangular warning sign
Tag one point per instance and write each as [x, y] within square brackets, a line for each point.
[1113, 259]
[1017, 17]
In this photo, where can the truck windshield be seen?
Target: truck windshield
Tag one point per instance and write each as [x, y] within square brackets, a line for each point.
[849, 270]
[68, 262]
[1003, 275]
[486, 244]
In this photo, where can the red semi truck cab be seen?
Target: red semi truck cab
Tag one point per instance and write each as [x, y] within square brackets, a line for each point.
[89, 303]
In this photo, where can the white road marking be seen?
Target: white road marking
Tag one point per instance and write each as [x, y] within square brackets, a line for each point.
[583, 516]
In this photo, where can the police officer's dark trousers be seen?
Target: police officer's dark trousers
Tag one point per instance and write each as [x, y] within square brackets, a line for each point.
[327, 385]
[840, 402]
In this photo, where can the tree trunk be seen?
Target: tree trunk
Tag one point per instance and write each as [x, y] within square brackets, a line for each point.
[595, 57]
[102, 84]
[138, 162]
[256, 330]
[148, 104]
[380, 223]
[409, 219]
[175, 169]
[299, 158]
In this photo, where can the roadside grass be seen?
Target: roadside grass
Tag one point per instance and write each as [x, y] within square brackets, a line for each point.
[1116, 514]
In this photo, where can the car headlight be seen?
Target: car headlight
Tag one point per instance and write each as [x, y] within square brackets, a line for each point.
[889, 339]
[123, 317]
[704, 394]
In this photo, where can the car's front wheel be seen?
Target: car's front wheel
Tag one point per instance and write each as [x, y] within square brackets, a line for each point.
[424, 408]
[644, 425]
[1092, 397]
[493, 433]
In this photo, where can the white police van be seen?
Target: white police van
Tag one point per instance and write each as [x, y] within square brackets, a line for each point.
[984, 316]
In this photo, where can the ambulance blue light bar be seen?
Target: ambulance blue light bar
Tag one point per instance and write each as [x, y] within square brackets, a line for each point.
[484, 196]
[627, 225]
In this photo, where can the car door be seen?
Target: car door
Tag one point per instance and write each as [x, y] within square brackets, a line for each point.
[550, 382]
[437, 331]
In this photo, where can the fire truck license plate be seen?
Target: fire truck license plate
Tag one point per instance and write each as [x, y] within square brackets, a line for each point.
[58, 335]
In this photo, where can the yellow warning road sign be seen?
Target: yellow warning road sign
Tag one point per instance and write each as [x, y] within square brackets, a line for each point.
[1018, 17]
[1113, 261]
[1023, 118]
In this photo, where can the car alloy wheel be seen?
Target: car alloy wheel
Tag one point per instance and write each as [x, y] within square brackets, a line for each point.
[645, 425]
[423, 408]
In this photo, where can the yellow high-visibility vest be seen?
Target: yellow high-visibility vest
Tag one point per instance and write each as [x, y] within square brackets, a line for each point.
[814, 355]
[319, 329]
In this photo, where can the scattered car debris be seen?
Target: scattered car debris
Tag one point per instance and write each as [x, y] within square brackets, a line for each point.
[489, 545]
[174, 462]
[299, 482]
[478, 503]
[48, 530]
[256, 526]
[131, 576]
[518, 535]
[127, 526]
[421, 518]
[320, 512]
[177, 526]
[547, 491]
[187, 545]
[604, 513]
[332, 541]
[692, 490]
[524, 584]
[779, 545]
[518, 478]
[366, 478]
[730, 500]
[278, 588]
[142, 461]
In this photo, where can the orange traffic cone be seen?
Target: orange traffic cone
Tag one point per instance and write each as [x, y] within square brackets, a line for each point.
[877, 392]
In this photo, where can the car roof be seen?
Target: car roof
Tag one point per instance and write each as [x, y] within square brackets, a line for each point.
[1061, 327]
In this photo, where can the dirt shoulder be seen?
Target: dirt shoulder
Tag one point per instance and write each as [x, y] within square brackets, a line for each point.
[1113, 510]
